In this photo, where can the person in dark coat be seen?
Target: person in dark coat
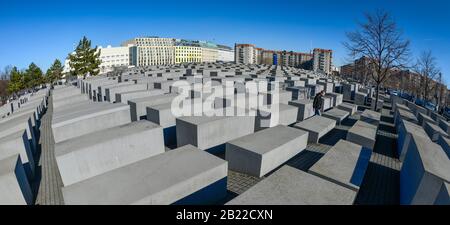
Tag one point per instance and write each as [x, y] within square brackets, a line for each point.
[318, 103]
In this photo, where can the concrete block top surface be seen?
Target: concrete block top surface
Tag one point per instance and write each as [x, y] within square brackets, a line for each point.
[335, 112]
[316, 124]
[414, 129]
[290, 186]
[97, 138]
[148, 177]
[92, 112]
[371, 115]
[268, 139]
[301, 102]
[434, 159]
[345, 163]
[150, 99]
[364, 129]
[8, 165]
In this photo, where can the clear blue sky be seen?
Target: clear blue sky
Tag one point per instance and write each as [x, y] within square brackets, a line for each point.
[40, 31]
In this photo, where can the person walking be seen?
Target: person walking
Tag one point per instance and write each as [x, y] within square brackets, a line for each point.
[318, 103]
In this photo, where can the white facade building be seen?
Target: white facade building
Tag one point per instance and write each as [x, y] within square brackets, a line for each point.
[225, 53]
[114, 57]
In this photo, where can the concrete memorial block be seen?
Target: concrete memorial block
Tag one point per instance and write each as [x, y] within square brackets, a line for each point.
[344, 164]
[444, 142]
[317, 127]
[305, 109]
[336, 114]
[89, 120]
[269, 97]
[259, 153]
[308, 81]
[350, 108]
[17, 124]
[434, 131]
[314, 89]
[337, 98]
[444, 195]
[110, 92]
[328, 86]
[298, 93]
[402, 114]
[124, 97]
[295, 83]
[14, 186]
[17, 143]
[65, 93]
[290, 186]
[348, 91]
[181, 176]
[69, 101]
[363, 134]
[138, 106]
[405, 131]
[379, 105]
[206, 132]
[282, 114]
[425, 169]
[101, 89]
[445, 126]
[436, 117]
[92, 154]
[423, 118]
[360, 98]
[327, 103]
[371, 117]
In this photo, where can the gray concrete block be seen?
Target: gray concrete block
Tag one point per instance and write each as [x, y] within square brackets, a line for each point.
[89, 120]
[110, 93]
[444, 142]
[290, 186]
[18, 143]
[92, 154]
[305, 109]
[14, 186]
[350, 108]
[360, 98]
[161, 180]
[206, 132]
[138, 106]
[124, 97]
[344, 164]
[280, 114]
[422, 118]
[371, 117]
[425, 169]
[336, 114]
[443, 197]
[363, 134]
[317, 127]
[433, 131]
[259, 153]
[445, 126]
[337, 98]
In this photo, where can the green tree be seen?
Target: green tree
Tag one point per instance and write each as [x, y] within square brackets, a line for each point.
[85, 60]
[16, 82]
[54, 73]
[33, 76]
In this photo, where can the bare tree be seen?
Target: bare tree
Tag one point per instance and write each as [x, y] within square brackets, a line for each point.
[427, 69]
[379, 39]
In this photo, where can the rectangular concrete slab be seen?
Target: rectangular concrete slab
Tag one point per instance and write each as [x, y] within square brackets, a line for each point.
[124, 97]
[138, 106]
[425, 169]
[336, 114]
[92, 154]
[90, 120]
[290, 186]
[305, 109]
[371, 117]
[363, 133]
[17, 143]
[159, 180]
[276, 114]
[350, 108]
[206, 132]
[14, 186]
[317, 127]
[434, 131]
[344, 164]
[444, 142]
[259, 153]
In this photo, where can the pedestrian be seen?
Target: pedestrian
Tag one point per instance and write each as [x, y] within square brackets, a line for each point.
[318, 103]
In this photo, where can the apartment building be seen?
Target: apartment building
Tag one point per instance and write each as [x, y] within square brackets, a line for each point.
[149, 51]
[323, 59]
[246, 54]
[111, 57]
[225, 53]
[188, 54]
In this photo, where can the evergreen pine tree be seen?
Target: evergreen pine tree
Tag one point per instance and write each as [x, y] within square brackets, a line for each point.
[85, 60]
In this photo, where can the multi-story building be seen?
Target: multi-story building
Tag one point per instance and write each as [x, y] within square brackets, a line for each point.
[225, 53]
[114, 57]
[323, 60]
[245, 54]
[249, 54]
[148, 51]
[188, 54]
